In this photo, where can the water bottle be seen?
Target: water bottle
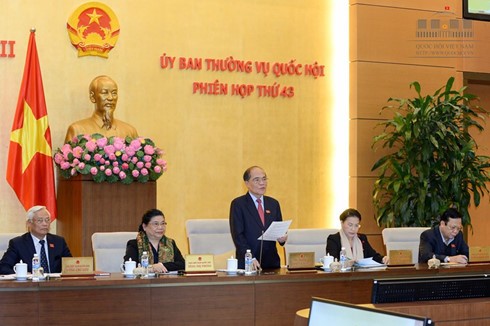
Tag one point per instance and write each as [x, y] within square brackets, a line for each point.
[343, 260]
[248, 262]
[36, 263]
[144, 262]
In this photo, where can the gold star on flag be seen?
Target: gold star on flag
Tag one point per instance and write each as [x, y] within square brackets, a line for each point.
[31, 136]
[94, 17]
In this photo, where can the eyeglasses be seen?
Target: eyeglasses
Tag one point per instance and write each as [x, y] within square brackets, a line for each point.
[157, 224]
[259, 180]
[352, 225]
[41, 220]
[454, 227]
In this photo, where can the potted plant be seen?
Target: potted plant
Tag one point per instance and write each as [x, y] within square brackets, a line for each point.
[432, 162]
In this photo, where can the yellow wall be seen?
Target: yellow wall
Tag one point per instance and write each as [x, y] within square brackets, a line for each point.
[208, 140]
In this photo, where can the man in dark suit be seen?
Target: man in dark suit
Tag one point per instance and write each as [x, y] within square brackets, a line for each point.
[246, 223]
[445, 240]
[37, 239]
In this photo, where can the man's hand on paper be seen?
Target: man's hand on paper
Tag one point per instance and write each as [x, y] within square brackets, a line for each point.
[283, 239]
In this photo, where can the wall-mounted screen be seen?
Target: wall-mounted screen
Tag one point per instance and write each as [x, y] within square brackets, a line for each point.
[476, 9]
[328, 312]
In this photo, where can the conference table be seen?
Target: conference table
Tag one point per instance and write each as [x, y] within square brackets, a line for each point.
[271, 298]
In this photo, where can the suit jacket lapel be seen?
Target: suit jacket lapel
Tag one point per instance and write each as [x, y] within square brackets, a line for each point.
[29, 244]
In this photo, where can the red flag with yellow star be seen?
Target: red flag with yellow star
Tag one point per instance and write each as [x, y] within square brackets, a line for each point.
[30, 165]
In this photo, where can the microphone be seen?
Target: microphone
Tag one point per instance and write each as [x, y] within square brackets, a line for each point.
[261, 248]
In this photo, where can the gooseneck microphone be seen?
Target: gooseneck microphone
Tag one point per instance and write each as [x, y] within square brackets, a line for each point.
[261, 248]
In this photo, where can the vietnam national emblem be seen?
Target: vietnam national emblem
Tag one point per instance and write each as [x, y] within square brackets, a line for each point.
[93, 29]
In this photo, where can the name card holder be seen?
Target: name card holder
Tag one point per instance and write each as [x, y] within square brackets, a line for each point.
[303, 262]
[77, 267]
[400, 257]
[199, 265]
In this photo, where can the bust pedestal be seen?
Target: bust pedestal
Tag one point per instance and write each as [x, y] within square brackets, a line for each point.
[85, 207]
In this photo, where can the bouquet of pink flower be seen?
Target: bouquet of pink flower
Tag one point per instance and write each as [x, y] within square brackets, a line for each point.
[111, 159]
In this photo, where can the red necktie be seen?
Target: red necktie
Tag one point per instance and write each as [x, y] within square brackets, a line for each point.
[261, 211]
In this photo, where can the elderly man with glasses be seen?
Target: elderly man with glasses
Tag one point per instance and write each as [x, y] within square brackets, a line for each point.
[50, 248]
[445, 241]
[250, 215]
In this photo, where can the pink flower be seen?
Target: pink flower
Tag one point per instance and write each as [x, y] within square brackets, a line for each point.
[65, 165]
[93, 170]
[147, 158]
[148, 165]
[116, 170]
[161, 161]
[135, 144]
[109, 149]
[134, 160]
[139, 165]
[102, 160]
[101, 142]
[135, 173]
[118, 143]
[87, 157]
[77, 152]
[112, 157]
[73, 171]
[125, 166]
[125, 157]
[115, 163]
[144, 171]
[76, 162]
[108, 172]
[131, 152]
[91, 145]
[149, 150]
[97, 157]
[122, 175]
[157, 169]
[58, 158]
[102, 167]
[81, 166]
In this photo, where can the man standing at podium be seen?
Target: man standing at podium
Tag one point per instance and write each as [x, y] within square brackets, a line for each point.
[50, 248]
[103, 93]
[445, 241]
[250, 215]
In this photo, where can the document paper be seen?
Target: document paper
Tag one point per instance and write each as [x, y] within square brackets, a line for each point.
[276, 230]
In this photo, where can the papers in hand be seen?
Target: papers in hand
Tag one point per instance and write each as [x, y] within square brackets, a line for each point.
[368, 263]
[276, 230]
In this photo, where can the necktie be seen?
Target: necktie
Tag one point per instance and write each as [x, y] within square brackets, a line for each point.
[261, 211]
[44, 259]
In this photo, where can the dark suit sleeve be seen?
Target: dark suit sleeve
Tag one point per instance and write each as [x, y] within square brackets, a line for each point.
[333, 245]
[237, 228]
[66, 251]
[132, 251]
[369, 250]
[428, 246]
[9, 259]
[179, 261]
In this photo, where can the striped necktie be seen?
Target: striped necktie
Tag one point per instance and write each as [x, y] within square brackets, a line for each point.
[44, 259]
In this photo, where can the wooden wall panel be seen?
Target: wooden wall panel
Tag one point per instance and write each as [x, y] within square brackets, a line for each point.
[480, 85]
[362, 156]
[438, 5]
[384, 34]
[372, 83]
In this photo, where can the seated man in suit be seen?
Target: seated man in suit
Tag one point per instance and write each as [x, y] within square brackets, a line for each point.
[103, 93]
[37, 240]
[250, 215]
[445, 240]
